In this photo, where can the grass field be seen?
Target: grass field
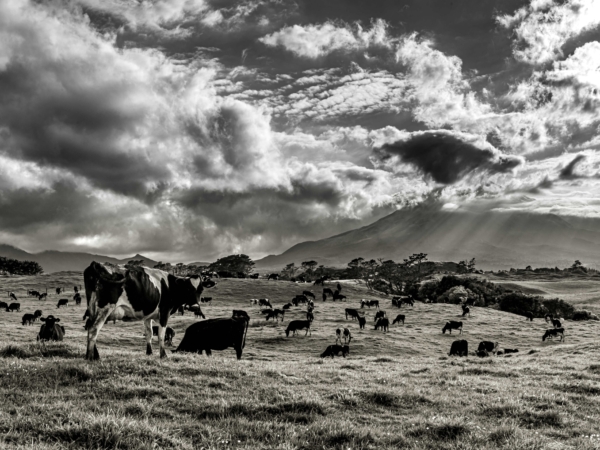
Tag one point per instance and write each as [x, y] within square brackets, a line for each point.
[396, 390]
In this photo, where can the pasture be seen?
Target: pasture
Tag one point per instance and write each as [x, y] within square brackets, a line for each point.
[395, 390]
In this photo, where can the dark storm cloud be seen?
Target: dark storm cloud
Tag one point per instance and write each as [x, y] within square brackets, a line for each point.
[567, 172]
[445, 157]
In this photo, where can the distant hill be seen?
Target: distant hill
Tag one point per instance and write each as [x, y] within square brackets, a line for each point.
[498, 240]
[55, 261]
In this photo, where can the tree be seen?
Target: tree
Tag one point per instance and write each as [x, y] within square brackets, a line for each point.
[16, 267]
[289, 270]
[354, 268]
[309, 266]
[236, 264]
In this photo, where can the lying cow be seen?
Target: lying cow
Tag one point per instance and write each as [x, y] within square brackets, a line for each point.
[215, 334]
[296, 325]
[50, 329]
[452, 325]
[459, 348]
[63, 302]
[383, 323]
[169, 334]
[353, 313]
[488, 346]
[554, 332]
[28, 319]
[399, 318]
[335, 350]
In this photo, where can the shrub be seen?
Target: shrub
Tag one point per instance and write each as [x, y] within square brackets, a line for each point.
[559, 308]
[518, 303]
[584, 315]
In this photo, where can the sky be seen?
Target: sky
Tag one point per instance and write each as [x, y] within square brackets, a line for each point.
[191, 129]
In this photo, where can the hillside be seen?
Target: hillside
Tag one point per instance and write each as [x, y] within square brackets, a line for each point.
[395, 390]
[55, 261]
[498, 240]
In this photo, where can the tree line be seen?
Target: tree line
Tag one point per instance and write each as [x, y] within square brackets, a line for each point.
[10, 266]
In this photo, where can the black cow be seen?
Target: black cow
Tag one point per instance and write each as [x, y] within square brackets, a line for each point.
[488, 346]
[554, 332]
[335, 350]
[286, 306]
[511, 350]
[362, 321]
[37, 314]
[138, 293]
[296, 325]
[452, 325]
[59, 290]
[529, 315]
[62, 302]
[50, 329]
[383, 323]
[369, 303]
[28, 319]
[352, 313]
[326, 292]
[13, 296]
[240, 314]
[34, 293]
[264, 302]
[43, 296]
[308, 294]
[399, 318]
[338, 296]
[482, 353]
[169, 334]
[459, 348]
[215, 334]
[299, 299]
[77, 298]
[379, 315]
[466, 310]
[309, 316]
[14, 307]
[273, 276]
[4, 305]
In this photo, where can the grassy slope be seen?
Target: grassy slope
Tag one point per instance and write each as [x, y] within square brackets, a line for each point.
[395, 390]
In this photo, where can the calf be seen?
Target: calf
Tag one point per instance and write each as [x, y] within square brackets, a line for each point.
[63, 302]
[335, 350]
[13, 296]
[14, 307]
[399, 318]
[240, 314]
[347, 336]
[28, 319]
[466, 311]
[296, 325]
[264, 302]
[362, 321]
[554, 332]
[353, 313]
[459, 348]
[50, 329]
[488, 346]
[452, 325]
[169, 334]
[309, 316]
[529, 316]
[379, 315]
[308, 294]
[383, 323]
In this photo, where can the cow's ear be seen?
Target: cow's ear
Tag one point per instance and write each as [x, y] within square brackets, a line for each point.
[57, 320]
[43, 319]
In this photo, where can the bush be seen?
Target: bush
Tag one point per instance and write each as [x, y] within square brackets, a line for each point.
[584, 315]
[559, 308]
[518, 303]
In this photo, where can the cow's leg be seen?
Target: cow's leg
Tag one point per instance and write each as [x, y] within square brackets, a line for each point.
[162, 328]
[94, 330]
[148, 334]
[238, 351]
[208, 351]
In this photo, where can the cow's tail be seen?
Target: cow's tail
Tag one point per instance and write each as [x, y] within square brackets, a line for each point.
[245, 333]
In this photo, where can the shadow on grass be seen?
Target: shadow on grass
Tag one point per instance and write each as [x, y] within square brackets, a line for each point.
[296, 412]
[50, 350]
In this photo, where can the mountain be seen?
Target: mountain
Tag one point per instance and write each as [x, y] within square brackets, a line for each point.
[55, 261]
[498, 240]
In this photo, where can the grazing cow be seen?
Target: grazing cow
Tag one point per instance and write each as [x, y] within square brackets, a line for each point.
[399, 300]
[335, 350]
[33, 293]
[308, 294]
[352, 313]
[138, 293]
[4, 305]
[369, 303]
[383, 323]
[309, 316]
[169, 334]
[28, 319]
[299, 299]
[62, 302]
[362, 321]
[339, 287]
[399, 318]
[488, 346]
[240, 314]
[379, 315]
[459, 348]
[296, 325]
[215, 334]
[556, 323]
[511, 350]
[274, 314]
[12, 296]
[273, 276]
[14, 307]
[265, 302]
[466, 310]
[347, 336]
[43, 296]
[50, 329]
[529, 315]
[287, 306]
[554, 332]
[37, 314]
[452, 325]
[206, 300]
[77, 298]
[58, 291]
[338, 335]
[327, 291]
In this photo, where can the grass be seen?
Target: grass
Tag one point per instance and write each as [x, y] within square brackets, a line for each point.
[395, 390]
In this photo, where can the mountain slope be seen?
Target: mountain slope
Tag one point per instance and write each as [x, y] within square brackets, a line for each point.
[496, 239]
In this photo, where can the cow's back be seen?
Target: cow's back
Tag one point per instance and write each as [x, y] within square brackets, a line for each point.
[213, 334]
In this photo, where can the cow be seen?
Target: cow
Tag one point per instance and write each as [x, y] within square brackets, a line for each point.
[556, 323]
[4, 305]
[511, 350]
[383, 323]
[43, 296]
[529, 315]
[296, 325]
[33, 293]
[338, 335]
[215, 334]
[379, 315]
[13, 296]
[399, 318]
[77, 298]
[554, 332]
[466, 310]
[335, 350]
[352, 313]
[309, 316]
[58, 290]
[488, 346]
[273, 276]
[326, 292]
[482, 353]
[452, 325]
[338, 296]
[138, 293]
[286, 306]
[206, 300]
[320, 281]
[265, 302]
[299, 299]
[50, 329]
[28, 319]
[274, 314]
[240, 314]
[339, 287]
[62, 302]
[14, 307]
[362, 321]
[169, 334]
[29, 293]
[37, 314]
[308, 294]
[369, 303]
[347, 336]
[459, 348]
[254, 276]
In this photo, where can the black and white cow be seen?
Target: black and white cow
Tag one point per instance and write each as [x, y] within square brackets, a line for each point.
[265, 302]
[554, 332]
[452, 325]
[488, 346]
[138, 293]
[62, 302]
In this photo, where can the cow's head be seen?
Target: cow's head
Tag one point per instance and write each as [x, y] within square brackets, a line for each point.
[190, 289]
[106, 283]
[50, 321]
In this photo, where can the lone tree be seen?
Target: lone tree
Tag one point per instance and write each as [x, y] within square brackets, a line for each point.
[234, 264]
